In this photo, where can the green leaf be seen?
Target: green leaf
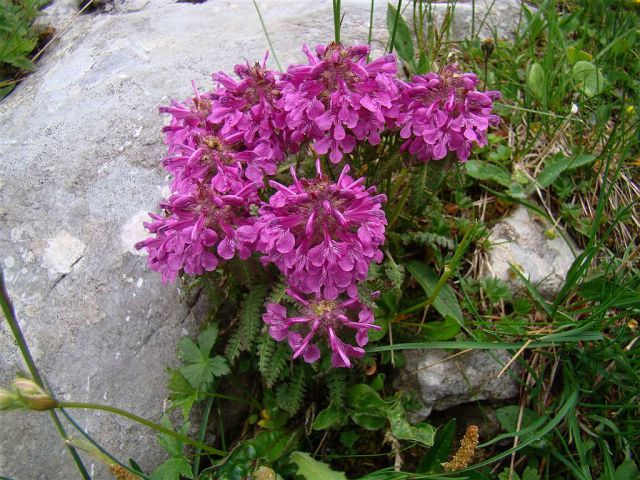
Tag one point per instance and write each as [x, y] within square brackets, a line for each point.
[627, 471]
[441, 449]
[314, 470]
[488, 171]
[173, 469]
[207, 338]
[446, 302]
[368, 409]
[536, 81]
[422, 433]
[588, 77]
[574, 55]
[402, 42]
[552, 170]
[328, 417]
[441, 329]
[581, 161]
[170, 444]
[508, 417]
[188, 351]
[178, 384]
[201, 373]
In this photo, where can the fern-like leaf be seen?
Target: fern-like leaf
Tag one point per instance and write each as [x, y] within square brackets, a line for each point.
[336, 382]
[266, 349]
[251, 319]
[289, 395]
[276, 368]
[234, 347]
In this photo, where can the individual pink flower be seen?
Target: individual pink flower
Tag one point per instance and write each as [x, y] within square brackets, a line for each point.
[339, 98]
[444, 113]
[202, 227]
[321, 234]
[322, 319]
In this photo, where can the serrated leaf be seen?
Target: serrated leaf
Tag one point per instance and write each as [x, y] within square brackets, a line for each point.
[170, 444]
[207, 339]
[588, 78]
[219, 366]
[314, 470]
[178, 384]
[188, 351]
[402, 43]
[173, 469]
[446, 302]
[536, 81]
[488, 171]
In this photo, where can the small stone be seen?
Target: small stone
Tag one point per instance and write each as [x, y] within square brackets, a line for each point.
[9, 262]
[442, 381]
[526, 242]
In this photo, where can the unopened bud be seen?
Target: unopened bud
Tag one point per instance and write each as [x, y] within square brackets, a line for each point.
[8, 400]
[33, 395]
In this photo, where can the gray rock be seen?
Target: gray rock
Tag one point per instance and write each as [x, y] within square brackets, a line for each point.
[442, 381]
[531, 245]
[80, 149]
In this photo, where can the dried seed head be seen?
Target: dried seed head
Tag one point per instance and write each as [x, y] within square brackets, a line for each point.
[121, 473]
[463, 456]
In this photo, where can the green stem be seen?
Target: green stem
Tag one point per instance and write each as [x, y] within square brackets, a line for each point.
[266, 34]
[395, 25]
[401, 203]
[10, 315]
[336, 19]
[80, 430]
[145, 422]
[201, 434]
[371, 22]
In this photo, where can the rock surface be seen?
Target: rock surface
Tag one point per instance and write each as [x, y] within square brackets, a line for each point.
[442, 381]
[530, 244]
[79, 169]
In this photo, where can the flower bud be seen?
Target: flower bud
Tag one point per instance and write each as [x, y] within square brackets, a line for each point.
[8, 400]
[32, 395]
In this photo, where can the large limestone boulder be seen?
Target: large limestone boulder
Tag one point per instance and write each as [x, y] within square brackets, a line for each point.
[80, 146]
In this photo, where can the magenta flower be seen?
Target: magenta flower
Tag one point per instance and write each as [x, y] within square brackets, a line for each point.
[319, 317]
[249, 107]
[339, 98]
[323, 235]
[444, 113]
[201, 228]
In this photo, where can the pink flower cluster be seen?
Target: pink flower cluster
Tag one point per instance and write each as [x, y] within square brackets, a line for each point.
[321, 234]
[443, 113]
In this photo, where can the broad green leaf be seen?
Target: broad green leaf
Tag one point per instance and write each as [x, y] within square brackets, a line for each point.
[588, 78]
[627, 471]
[530, 473]
[422, 433]
[552, 170]
[508, 417]
[178, 384]
[574, 55]
[368, 409]
[173, 469]
[581, 161]
[488, 171]
[441, 329]
[402, 42]
[536, 81]
[207, 338]
[314, 470]
[328, 417]
[446, 302]
[219, 366]
[441, 449]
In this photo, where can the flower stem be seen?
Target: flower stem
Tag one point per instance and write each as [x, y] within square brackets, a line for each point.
[10, 315]
[201, 434]
[395, 25]
[336, 19]
[145, 422]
